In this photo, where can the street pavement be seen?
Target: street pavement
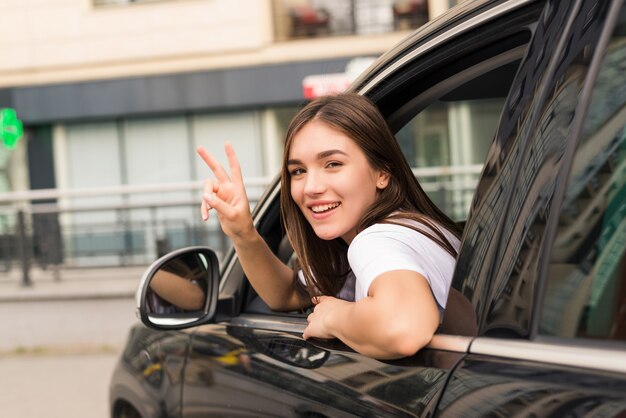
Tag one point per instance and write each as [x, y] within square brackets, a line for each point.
[60, 339]
[85, 307]
[56, 385]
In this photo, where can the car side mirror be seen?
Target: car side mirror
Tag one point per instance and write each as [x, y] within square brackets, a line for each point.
[179, 290]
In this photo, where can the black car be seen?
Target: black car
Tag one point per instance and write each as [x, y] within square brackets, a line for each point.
[536, 320]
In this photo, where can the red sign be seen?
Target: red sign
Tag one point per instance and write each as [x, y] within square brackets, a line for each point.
[324, 84]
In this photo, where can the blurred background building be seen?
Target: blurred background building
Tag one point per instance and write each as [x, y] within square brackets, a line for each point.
[115, 96]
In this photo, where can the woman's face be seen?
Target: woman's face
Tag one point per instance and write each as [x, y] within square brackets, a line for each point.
[332, 182]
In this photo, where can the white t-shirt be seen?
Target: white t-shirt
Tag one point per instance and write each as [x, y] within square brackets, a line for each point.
[386, 247]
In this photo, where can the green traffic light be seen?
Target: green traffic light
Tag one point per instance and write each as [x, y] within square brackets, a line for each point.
[11, 128]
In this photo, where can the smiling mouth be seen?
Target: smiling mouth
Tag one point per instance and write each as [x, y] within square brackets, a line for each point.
[324, 208]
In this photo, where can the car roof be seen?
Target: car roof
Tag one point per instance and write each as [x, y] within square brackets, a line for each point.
[453, 23]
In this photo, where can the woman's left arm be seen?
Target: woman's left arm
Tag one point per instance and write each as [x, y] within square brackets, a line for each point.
[397, 318]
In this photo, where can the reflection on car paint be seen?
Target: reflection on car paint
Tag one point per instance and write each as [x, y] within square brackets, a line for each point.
[156, 359]
[486, 387]
[331, 381]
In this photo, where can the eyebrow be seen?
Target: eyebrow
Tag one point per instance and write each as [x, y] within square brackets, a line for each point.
[320, 156]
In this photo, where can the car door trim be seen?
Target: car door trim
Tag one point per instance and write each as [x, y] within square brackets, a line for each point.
[283, 323]
[456, 343]
[427, 97]
[561, 353]
[297, 324]
[461, 28]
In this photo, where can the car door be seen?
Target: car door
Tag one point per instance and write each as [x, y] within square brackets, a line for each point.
[549, 221]
[254, 362]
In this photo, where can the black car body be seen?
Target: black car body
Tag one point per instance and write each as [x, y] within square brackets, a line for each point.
[538, 324]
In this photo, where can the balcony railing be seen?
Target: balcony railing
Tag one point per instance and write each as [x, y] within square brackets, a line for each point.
[53, 229]
[67, 229]
[320, 18]
[123, 2]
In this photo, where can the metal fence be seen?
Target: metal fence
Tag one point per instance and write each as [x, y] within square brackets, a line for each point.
[63, 229]
[294, 19]
[67, 229]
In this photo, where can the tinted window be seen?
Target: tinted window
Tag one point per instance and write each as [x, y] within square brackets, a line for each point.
[586, 287]
[525, 141]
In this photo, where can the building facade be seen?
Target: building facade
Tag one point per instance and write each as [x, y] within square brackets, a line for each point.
[119, 93]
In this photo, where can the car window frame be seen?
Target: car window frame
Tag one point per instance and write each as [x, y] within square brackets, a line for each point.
[463, 54]
[470, 70]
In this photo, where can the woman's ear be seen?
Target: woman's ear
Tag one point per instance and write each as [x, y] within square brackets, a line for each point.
[383, 180]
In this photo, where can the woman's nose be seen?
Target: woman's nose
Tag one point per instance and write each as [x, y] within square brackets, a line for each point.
[314, 184]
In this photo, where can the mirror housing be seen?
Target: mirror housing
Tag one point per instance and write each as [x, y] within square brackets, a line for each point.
[179, 290]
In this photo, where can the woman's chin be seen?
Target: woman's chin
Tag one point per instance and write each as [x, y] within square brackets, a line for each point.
[326, 235]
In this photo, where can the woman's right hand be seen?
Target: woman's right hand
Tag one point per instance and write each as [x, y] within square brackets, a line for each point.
[227, 195]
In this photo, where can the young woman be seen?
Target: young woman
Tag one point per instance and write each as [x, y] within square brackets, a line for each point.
[375, 255]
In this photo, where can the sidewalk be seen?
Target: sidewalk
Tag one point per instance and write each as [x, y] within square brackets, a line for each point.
[56, 385]
[85, 310]
[75, 283]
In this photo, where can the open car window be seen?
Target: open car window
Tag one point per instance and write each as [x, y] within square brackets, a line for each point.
[445, 144]
[443, 109]
[446, 141]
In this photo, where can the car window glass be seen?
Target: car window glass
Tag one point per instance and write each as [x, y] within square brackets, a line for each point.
[541, 138]
[473, 275]
[445, 105]
[586, 285]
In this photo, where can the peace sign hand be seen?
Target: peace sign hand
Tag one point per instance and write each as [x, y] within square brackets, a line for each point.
[227, 195]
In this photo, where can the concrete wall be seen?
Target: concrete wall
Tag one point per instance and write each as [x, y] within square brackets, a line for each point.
[41, 36]
[64, 41]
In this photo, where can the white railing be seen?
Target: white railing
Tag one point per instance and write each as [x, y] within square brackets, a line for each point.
[131, 231]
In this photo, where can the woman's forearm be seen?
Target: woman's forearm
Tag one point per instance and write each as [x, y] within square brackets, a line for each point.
[398, 318]
[373, 333]
[178, 290]
[270, 277]
[227, 196]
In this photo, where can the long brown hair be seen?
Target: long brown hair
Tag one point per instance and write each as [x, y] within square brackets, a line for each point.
[325, 263]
